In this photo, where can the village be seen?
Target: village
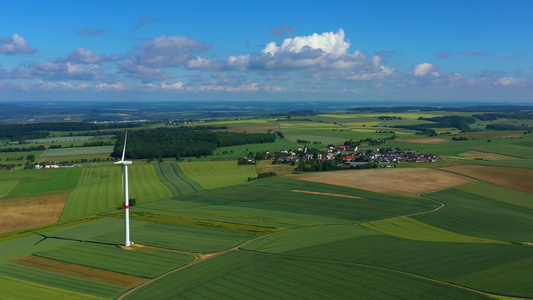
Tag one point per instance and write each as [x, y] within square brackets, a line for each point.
[348, 156]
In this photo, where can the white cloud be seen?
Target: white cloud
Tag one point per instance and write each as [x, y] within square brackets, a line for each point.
[15, 45]
[425, 69]
[173, 51]
[510, 81]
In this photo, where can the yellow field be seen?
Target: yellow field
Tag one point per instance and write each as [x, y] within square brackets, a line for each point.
[404, 181]
[403, 115]
[32, 211]
[308, 125]
[360, 124]
[515, 178]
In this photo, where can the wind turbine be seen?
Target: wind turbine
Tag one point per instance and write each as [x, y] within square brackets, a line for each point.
[125, 164]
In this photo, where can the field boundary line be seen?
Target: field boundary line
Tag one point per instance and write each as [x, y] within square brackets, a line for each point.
[383, 269]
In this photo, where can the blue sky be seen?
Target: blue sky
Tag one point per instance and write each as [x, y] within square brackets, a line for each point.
[266, 51]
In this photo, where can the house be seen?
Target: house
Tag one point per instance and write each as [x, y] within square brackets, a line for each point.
[348, 157]
[50, 166]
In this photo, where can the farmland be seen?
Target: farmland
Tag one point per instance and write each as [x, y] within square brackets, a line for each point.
[445, 230]
[216, 174]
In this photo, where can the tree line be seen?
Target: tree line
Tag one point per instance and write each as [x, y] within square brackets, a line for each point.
[162, 142]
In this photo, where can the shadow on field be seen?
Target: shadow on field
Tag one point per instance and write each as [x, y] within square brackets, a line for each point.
[44, 237]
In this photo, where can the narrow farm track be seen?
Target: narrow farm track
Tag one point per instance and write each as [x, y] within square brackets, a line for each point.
[238, 248]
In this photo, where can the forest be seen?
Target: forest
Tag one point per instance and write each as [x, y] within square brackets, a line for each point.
[163, 142]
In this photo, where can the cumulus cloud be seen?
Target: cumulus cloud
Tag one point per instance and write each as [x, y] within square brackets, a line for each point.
[71, 71]
[14, 74]
[425, 69]
[456, 77]
[326, 52]
[15, 45]
[91, 31]
[172, 51]
[510, 81]
[86, 56]
[147, 74]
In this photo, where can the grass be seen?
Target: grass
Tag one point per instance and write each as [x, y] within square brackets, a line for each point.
[498, 193]
[515, 150]
[408, 228]
[77, 151]
[216, 174]
[100, 189]
[174, 179]
[183, 238]
[112, 258]
[61, 281]
[15, 289]
[233, 276]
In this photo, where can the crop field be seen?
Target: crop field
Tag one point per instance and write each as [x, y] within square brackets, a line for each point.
[112, 258]
[183, 238]
[80, 271]
[485, 155]
[60, 281]
[100, 189]
[6, 186]
[507, 149]
[276, 203]
[174, 179]
[77, 151]
[515, 178]
[233, 276]
[234, 152]
[495, 268]
[407, 228]
[14, 289]
[30, 211]
[401, 181]
[471, 212]
[42, 240]
[216, 174]
[40, 181]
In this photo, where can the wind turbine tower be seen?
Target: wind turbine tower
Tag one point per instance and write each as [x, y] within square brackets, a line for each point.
[125, 164]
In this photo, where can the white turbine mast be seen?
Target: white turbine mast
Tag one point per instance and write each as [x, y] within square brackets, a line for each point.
[124, 163]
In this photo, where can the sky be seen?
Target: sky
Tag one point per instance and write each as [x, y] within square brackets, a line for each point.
[266, 50]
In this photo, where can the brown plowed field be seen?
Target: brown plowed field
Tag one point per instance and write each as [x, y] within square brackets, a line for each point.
[34, 210]
[515, 178]
[80, 271]
[405, 182]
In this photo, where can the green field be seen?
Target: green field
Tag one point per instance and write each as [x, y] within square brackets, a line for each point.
[6, 187]
[40, 181]
[234, 276]
[112, 258]
[183, 238]
[77, 151]
[515, 150]
[497, 268]
[174, 179]
[100, 189]
[60, 281]
[14, 289]
[216, 174]
[44, 240]
[407, 228]
[471, 211]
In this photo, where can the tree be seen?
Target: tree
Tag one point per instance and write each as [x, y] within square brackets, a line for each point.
[31, 157]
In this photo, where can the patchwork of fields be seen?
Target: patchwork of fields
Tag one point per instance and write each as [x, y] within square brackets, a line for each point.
[201, 230]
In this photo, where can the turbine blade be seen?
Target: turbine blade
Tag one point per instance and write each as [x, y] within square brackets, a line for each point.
[124, 151]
